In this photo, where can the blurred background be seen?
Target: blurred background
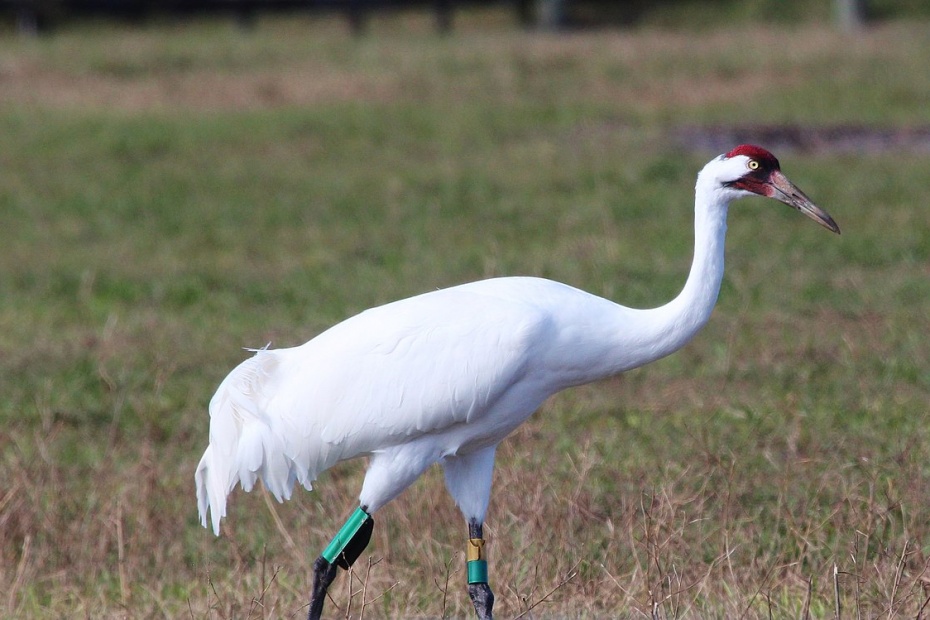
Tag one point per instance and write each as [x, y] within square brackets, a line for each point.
[31, 16]
[179, 181]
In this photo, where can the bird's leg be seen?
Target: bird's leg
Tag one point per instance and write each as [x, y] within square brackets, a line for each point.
[478, 589]
[323, 575]
[342, 551]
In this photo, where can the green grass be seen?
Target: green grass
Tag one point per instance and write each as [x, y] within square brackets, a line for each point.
[171, 194]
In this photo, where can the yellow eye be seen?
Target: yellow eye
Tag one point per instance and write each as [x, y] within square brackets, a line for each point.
[753, 164]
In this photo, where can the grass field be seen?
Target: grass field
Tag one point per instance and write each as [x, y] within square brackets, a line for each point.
[170, 194]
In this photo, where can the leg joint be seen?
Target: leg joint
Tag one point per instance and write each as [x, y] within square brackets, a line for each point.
[477, 561]
[475, 550]
[351, 540]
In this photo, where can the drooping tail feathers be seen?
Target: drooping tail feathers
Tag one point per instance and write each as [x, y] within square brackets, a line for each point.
[244, 443]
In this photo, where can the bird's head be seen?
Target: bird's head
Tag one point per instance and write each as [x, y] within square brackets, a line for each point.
[749, 169]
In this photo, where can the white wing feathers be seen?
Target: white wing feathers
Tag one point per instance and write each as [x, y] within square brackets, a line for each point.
[242, 444]
[417, 366]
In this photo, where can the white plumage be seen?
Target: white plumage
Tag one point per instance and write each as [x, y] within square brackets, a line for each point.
[441, 374]
[445, 376]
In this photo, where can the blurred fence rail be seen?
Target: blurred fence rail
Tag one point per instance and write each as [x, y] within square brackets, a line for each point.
[34, 16]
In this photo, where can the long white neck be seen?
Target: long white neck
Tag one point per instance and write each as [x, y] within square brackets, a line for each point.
[626, 338]
[675, 323]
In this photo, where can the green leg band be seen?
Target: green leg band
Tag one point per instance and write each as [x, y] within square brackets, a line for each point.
[345, 535]
[478, 571]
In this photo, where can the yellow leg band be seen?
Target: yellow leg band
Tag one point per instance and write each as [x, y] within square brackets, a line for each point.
[475, 550]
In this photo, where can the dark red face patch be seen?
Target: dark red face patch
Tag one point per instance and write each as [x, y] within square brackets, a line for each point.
[757, 179]
[766, 160]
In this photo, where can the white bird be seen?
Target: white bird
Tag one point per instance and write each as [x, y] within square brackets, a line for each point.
[443, 377]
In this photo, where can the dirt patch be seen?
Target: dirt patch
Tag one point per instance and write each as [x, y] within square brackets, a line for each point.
[807, 138]
[31, 85]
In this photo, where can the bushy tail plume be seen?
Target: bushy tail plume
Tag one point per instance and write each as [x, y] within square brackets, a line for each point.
[243, 443]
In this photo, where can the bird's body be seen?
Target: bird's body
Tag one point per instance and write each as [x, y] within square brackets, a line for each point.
[444, 376]
[441, 374]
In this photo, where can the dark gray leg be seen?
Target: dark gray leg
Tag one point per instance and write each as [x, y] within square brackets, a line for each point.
[323, 575]
[342, 552]
[478, 589]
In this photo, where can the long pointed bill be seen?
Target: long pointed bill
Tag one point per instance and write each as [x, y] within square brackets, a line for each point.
[785, 191]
